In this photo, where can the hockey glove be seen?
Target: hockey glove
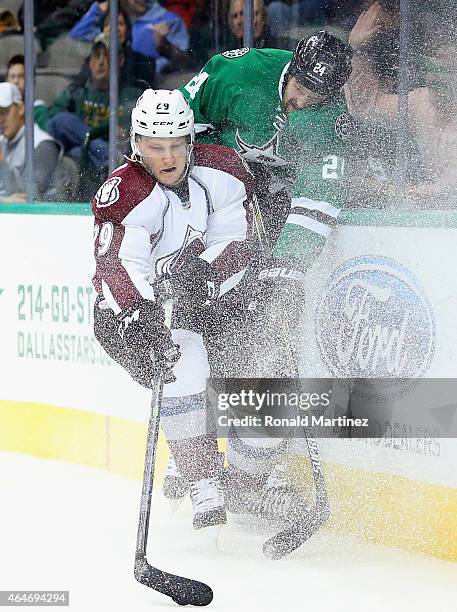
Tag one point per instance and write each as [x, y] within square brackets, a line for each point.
[196, 281]
[143, 330]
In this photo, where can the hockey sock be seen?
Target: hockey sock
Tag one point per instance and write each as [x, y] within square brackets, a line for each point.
[196, 458]
[256, 457]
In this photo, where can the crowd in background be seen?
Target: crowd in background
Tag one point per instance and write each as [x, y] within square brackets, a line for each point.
[162, 44]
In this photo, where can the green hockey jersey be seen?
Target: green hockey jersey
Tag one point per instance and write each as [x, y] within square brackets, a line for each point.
[315, 141]
[236, 99]
[237, 95]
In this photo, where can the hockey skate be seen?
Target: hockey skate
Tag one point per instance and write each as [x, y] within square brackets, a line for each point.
[175, 487]
[277, 501]
[208, 503]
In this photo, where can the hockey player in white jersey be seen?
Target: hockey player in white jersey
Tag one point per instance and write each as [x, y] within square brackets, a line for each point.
[178, 210]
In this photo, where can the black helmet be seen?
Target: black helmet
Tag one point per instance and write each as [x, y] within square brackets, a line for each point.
[321, 63]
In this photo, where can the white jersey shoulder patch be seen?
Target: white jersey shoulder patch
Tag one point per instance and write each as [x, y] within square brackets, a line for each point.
[108, 193]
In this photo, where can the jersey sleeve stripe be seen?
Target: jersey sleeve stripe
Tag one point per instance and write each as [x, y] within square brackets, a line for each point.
[110, 298]
[235, 257]
[214, 251]
[305, 221]
[139, 280]
[309, 204]
[316, 215]
[231, 282]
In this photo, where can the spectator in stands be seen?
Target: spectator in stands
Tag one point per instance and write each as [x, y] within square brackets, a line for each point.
[156, 32]
[137, 70]
[43, 9]
[432, 111]
[12, 150]
[8, 22]
[282, 15]
[186, 9]
[55, 17]
[83, 108]
[15, 74]
[262, 35]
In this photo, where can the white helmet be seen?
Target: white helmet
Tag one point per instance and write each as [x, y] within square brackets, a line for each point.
[162, 113]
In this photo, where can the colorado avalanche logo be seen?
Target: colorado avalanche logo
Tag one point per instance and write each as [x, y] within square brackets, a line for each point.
[108, 192]
[193, 244]
[374, 321]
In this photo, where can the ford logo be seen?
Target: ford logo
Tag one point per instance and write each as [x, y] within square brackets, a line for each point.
[374, 320]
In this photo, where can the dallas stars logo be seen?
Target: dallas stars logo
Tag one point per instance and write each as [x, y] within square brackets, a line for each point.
[234, 53]
[264, 154]
[344, 126]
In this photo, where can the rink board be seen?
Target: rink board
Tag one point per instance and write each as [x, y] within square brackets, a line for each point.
[62, 398]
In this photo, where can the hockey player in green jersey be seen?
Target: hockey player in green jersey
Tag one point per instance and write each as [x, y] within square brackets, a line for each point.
[246, 98]
[241, 98]
[314, 143]
[317, 143]
[285, 114]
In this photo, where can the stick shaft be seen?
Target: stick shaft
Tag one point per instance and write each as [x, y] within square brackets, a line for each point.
[149, 464]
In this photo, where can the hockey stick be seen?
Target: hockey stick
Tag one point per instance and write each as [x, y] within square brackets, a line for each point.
[311, 520]
[288, 540]
[183, 591]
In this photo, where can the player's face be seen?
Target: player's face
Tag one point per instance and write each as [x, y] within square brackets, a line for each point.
[11, 120]
[16, 76]
[165, 158]
[296, 97]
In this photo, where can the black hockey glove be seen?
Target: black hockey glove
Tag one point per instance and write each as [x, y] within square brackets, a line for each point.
[279, 289]
[143, 330]
[196, 281]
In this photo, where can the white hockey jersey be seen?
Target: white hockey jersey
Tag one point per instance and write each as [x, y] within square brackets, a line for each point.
[143, 229]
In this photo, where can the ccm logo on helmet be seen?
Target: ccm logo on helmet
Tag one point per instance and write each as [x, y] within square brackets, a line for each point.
[162, 123]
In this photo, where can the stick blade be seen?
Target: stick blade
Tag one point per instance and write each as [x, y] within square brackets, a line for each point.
[288, 540]
[183, 591]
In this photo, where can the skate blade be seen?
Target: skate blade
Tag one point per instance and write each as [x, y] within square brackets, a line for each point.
[211, 537]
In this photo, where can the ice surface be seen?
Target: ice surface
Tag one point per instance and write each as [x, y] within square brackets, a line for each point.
[69, 527]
